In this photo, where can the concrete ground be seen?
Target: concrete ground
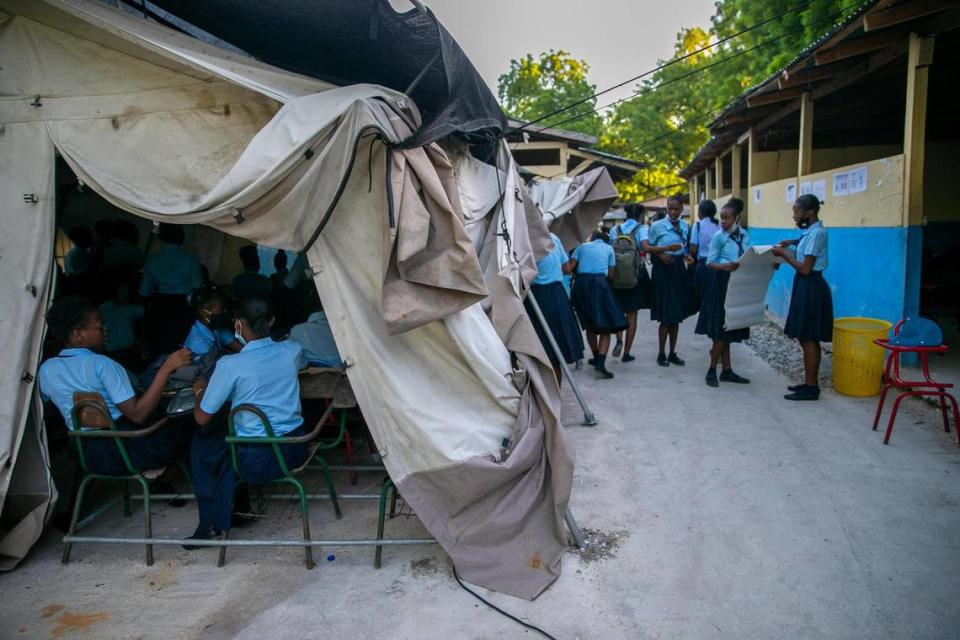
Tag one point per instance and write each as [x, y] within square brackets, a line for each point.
[727, 513]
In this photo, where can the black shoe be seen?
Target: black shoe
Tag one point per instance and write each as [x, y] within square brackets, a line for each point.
[730, 376]
[617, 349]
[240, 520]
[796, 387]
[604, 373]
[808, 393]
[711, 378]
[662, 360]
[204, 533]
[592, 361]
[627, 358]
[675, 359]
[166, 487]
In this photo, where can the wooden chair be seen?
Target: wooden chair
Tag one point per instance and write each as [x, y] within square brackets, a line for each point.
[91, 419]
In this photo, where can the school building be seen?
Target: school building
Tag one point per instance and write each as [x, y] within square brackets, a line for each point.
[865, 118]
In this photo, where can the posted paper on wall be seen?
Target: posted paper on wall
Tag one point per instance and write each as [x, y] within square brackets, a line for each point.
[748, 287]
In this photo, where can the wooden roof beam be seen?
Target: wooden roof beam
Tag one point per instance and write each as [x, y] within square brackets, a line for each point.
[906, 12]
[775, 96]
[858, 47]
[813, 74]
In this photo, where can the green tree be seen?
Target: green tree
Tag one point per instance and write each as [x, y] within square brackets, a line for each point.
[667, 122]
[534, 87]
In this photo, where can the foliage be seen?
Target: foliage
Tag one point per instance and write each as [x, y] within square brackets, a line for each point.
[534, 87]
[666, 123]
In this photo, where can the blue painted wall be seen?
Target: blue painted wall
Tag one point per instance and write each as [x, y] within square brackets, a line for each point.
[867, 271]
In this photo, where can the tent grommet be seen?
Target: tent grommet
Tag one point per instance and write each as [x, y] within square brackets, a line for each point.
[31, 198]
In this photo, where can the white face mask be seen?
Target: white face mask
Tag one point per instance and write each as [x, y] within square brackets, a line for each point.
[238, 335]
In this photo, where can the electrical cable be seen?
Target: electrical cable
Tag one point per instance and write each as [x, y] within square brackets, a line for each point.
[647, 90]
[499, 610]
[666, 64]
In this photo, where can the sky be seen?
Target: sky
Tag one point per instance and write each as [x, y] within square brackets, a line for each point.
[618, 38]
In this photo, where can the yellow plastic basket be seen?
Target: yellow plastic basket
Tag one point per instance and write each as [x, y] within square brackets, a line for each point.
[857, 361]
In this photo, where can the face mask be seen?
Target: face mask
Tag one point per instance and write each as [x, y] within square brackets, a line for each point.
[220, 320]
[803, 222]
[238, 336]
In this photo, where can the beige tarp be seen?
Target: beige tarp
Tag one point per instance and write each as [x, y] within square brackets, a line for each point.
[573, 207]
[170, 130]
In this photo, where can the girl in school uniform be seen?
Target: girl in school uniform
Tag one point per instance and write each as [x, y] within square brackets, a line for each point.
[726, 247]
[810, 318]
[211, 332]
[555, 306]
[668, 245]
[81, 367]
[638, 297]
[599, 312]
[700, 235]
[264, 374]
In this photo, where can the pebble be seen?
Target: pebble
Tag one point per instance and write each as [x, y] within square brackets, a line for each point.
[784, 354]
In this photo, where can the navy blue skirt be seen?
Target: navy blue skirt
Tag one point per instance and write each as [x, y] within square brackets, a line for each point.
[639, 297]
[557, 311]
[712, 312]
[595, 304]
[166, 446]
[670, 302]
[701, 278]
[810, 318]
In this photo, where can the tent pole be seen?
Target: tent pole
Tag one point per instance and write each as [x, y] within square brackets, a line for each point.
[574, 530]
[588, 417]
[423, 72]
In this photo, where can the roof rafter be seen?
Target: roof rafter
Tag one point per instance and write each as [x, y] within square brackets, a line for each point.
[901, 13]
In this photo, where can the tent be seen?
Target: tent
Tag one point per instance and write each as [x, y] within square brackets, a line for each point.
[573, 207]
[424, 297]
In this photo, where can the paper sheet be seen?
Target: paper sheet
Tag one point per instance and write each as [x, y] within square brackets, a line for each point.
[748, 287]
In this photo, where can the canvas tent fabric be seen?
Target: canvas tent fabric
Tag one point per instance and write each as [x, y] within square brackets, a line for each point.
[167, 128]
[385, 47]
[572, 207]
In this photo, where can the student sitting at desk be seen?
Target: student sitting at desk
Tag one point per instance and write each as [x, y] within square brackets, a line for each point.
[212, 330]
[77, 324]
[316, 340]
[263, 374]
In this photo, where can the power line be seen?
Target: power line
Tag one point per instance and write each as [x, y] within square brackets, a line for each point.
[666, 64]
[693, 72]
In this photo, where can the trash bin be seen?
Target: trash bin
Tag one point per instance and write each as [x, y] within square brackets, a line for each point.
[857, 361]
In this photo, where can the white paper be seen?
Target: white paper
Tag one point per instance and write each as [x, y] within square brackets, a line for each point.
[841, 184]
[747, 289]
[791, 192]
[756, 195]
[820, 189]
[858, 180]
[805, 188]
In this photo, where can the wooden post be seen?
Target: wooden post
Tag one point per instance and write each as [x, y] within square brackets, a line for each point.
[919, 59]
[735, 171]
[717, 177]
[694, 186]
[805, 163]
[709, 184]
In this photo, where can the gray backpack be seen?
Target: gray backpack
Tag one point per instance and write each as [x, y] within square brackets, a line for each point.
[626, 270]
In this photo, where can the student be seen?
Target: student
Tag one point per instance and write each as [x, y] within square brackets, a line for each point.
[212, 329]
[630, 235]
[79, 367]
[599, 312]
[700, 235]
[168, 277]
[668, 246]
[551, 296]
[263, 374]
[810, 318]
[124, 250]
[119, 321]
[316, 339]
[79, 260]
[726, 247]
[251, 282]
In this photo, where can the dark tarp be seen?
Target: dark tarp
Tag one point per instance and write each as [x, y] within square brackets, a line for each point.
[357, 41]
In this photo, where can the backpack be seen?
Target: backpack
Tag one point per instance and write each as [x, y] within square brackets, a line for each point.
[627, 266]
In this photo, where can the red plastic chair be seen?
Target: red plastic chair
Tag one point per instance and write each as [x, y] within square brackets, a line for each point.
[926, 387]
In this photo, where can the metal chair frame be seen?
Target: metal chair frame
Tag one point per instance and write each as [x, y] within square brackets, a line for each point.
[892, 378]
[118, 436]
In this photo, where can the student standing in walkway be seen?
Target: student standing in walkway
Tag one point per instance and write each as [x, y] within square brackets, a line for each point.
[555, 306]
[631, 283]
[668, 246]
[810, 319]
[599, 312]
[700, 235]
[726, 247]
[168, 277]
